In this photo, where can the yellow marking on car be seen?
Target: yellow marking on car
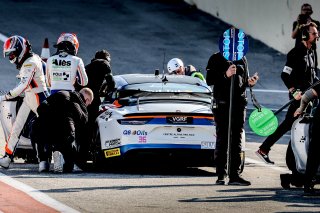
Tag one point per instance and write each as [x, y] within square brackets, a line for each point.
[112, 152]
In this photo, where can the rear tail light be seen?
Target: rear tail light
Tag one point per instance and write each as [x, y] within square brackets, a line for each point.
[133, 121]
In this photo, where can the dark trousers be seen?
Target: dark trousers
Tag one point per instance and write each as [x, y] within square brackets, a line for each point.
[54, 136]
[284, 127]
[313, 160]
[93, 112]
[221, 114]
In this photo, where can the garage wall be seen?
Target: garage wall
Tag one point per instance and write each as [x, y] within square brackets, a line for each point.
[269, 21]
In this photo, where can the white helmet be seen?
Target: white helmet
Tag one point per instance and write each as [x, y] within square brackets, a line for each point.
[174, 64]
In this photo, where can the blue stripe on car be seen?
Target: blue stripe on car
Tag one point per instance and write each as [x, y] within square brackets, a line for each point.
[129, 147]
[198, 121]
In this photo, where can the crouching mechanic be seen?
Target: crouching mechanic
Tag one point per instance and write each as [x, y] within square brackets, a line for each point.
[32, 84]
[313, 160]
[60, 127]
[175, 66]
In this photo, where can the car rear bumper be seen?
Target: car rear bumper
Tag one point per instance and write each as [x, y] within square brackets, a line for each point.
[188, 155]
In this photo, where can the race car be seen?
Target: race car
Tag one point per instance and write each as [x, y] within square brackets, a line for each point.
[166, 118]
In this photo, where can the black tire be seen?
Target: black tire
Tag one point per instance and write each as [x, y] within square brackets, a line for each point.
[290, 160]
[297, 179]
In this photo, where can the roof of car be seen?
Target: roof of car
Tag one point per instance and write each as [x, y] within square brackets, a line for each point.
[151, 78]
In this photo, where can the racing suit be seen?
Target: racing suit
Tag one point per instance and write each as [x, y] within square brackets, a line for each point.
[216, 68]
[63, 70]
[32, 83]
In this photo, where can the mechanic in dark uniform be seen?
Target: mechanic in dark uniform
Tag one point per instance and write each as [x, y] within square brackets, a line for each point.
[219, 73]
[61, 123]
[313, 160]
[100, 81]
[97, 71]
[298, 74]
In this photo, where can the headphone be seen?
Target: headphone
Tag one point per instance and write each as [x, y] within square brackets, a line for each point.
[305, 32]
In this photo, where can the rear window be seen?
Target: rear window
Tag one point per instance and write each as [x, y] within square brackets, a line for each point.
[167, 87]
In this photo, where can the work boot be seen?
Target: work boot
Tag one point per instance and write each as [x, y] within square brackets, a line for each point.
[238, 181]
[5, 161]
[309, 191]
[308, 188]
[285, 180]
[221, 180]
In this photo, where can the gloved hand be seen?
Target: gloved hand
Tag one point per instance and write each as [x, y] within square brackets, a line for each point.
[296, 93]
[107, 86]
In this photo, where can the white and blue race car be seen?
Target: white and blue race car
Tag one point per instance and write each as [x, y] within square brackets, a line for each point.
[165, 117]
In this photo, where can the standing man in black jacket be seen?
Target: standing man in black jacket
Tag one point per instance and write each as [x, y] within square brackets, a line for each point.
[298, 74]
[60, 126]
[98, 70]
[99, 74]
[219, 73]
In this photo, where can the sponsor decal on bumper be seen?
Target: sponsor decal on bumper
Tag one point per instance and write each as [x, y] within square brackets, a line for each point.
[208, 145]
[112, 152]
[112, 143]
[179, 120]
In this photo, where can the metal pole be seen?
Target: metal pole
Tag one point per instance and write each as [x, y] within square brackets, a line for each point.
[232, 34]
[230, 126]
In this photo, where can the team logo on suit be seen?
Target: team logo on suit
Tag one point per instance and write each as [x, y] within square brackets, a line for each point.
[61, 76]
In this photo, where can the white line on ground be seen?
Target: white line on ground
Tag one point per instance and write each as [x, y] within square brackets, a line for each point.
[277, 168]
[272, 109]
[37, 195]
[3, 38]
[269, 90]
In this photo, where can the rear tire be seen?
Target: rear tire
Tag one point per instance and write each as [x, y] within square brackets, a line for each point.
[297, 178]
[290, 160]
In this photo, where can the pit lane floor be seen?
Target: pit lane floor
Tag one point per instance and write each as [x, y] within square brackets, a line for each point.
[164, 190]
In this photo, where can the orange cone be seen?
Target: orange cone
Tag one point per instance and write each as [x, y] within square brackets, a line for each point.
[45, 52]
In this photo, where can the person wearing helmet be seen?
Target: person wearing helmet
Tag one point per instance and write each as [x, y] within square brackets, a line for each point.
[175, 66]
[32, 84]
[65, 68]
